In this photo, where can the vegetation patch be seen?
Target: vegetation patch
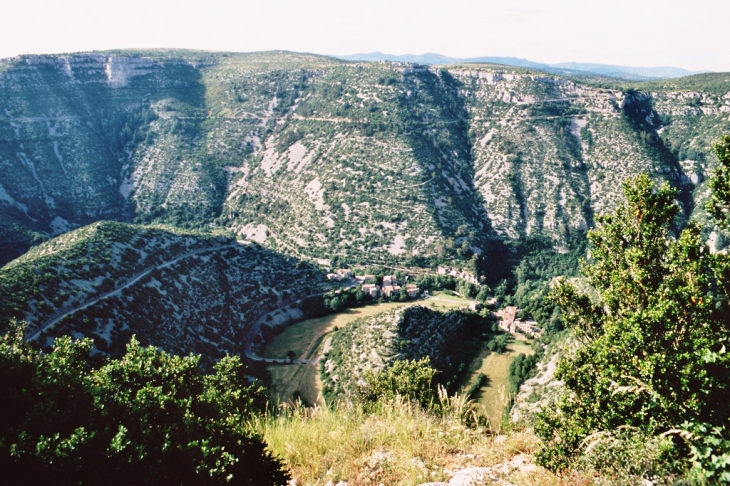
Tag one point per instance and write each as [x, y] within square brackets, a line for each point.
[146, 418]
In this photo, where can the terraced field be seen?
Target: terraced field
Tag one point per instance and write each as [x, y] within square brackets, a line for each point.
[180, 290]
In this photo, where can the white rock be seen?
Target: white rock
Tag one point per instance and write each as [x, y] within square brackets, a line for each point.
[472, 476]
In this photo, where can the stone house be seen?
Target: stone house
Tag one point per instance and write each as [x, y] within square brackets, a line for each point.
[507, 316]
[371, 289]
[412, 290]
[390, 280]
[388, 290]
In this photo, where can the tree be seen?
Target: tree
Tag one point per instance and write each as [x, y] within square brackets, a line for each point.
[147, 418]
[483, 293]
[651, 357]
[520, 369]
[360, 297]
[290, 355]
[410, 379]
[719, 203]
[403, 294]
[499, 343]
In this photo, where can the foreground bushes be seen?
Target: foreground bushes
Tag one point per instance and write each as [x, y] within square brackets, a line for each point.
[147, 418]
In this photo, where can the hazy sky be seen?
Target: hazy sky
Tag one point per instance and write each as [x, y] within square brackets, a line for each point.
[681, 33]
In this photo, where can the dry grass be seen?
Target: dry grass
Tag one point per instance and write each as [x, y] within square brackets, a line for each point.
[495, 396]
[300, 337]
[395, 444]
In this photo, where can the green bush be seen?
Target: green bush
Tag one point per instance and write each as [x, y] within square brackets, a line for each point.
[653, 338]
[147, 418]
[408, 378]
[481, 381]
[520, 369]
[499, 343]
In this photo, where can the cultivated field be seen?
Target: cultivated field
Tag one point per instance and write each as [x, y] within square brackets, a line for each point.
[447, 301]
[495, 395]
[305, 339]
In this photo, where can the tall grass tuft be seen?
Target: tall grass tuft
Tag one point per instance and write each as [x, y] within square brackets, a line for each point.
[395, 442]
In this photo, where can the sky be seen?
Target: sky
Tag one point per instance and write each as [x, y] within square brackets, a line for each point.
[642, 33]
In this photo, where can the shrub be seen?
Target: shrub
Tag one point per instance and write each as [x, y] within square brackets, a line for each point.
[520, 369]
[408, 378]
[652, 355]
[499, 343]
[481, 381]
[147, 418]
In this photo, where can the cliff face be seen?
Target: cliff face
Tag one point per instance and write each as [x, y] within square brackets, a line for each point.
[67, 131]
[320, 158]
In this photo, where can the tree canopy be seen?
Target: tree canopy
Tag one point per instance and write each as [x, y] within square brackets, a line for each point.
[147, 418]
[411, 379]
[650, 360]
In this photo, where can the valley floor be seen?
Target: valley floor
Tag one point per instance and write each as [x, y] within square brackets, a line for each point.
[308, 340]
[495, 395]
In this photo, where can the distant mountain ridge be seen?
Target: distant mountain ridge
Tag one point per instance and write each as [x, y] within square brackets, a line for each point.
[323, 159]
[615, 71]
[141, 170]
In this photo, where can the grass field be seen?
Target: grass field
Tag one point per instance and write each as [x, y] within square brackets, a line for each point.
[495, 395]
[439, 299]
[305, 339]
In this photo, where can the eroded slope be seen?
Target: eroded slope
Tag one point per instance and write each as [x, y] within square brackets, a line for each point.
[320, 158]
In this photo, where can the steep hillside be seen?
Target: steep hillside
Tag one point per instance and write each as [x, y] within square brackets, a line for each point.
[375, 342]
[356, 172]
[138, 136]
[321, 158]
[549, 153]
[179, 290]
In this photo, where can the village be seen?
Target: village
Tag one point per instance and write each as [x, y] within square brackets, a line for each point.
[391, 288]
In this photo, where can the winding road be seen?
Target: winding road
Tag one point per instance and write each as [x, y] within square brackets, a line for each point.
[133, 280]
[257, 327]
